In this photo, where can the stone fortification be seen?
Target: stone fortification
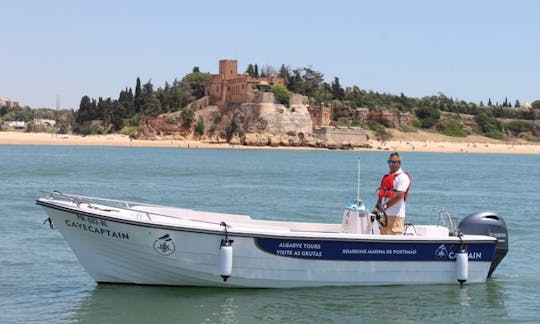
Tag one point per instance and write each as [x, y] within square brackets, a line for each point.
[282, 120]
[341, 137]
[275, 124]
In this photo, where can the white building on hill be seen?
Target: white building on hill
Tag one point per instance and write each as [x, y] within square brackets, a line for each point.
[8, 102]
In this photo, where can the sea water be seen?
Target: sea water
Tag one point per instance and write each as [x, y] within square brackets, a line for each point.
[42, 281]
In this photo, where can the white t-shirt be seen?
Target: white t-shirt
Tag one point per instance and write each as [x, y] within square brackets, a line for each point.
[401, 183]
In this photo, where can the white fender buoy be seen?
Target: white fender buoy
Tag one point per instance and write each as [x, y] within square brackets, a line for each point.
[462, 266]
[225, 259]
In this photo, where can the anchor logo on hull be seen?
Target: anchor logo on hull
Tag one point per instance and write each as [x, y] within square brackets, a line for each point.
[441, 252]
[164, 245]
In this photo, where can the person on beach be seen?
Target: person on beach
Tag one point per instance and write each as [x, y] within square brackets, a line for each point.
[392, 196]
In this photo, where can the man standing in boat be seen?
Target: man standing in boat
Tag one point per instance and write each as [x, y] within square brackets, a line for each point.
[393, 193]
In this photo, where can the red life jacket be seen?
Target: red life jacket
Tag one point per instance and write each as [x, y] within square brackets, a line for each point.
[386, 189]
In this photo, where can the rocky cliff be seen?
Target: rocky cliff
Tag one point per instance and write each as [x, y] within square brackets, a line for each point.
[276, 124]
[259, 122]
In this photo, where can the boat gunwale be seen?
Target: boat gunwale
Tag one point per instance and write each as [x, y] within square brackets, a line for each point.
[283, 235]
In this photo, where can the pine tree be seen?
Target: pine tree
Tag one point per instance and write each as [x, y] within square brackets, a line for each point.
[337, 90]
[312, 80]
[250, 70]
[87, 110]
[296, 83]
[138, 96]
[126, 100]
[285, 74]
[150, 103]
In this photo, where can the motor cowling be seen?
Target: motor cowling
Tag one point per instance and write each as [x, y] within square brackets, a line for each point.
[489, 224]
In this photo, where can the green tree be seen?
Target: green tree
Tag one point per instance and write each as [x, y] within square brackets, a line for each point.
[284, 73]
[105, 108]
[428, 116]
[404, 102]
[126, 99]
[118, 114]
[312, 81]
[296, 83]
[150, 103]
[324, 93]
[281, 93]
[138, 96]
[517, 127]
[188, 116]
[96, 129]
[451, 127]
[250, 70]
[380, 131]
[489, 125]
[164, 96]
[197, 82]
[355, 96]
[199, 128]
[536, 104]
[87, 110]
[337, 90]
[180, 95]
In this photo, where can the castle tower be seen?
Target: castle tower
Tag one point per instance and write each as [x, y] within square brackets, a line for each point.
[228, 69]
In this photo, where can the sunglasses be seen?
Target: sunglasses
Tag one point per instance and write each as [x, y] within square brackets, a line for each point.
[392, 162]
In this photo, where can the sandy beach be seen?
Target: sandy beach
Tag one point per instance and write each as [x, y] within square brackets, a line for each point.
[402, 142]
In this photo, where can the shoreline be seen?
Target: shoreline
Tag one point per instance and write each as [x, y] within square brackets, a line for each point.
[401, 142]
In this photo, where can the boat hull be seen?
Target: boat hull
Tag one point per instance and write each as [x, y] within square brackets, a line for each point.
[138, 252]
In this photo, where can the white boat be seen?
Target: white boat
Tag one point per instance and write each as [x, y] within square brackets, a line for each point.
[136, 243]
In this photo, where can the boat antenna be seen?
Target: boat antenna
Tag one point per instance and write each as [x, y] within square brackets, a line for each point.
[358, 184]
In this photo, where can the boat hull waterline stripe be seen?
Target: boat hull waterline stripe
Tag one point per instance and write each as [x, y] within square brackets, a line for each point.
[372, 251]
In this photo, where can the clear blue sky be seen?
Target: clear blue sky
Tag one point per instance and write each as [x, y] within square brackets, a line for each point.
[472, 50]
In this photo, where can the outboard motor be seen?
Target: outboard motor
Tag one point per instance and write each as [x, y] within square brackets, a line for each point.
[489, 224]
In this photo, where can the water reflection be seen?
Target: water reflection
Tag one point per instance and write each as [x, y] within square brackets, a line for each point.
[145, 304]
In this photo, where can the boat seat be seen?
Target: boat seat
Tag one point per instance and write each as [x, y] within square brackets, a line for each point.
[427, 230]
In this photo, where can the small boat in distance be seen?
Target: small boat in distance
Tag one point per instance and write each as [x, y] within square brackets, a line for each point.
[136, 243]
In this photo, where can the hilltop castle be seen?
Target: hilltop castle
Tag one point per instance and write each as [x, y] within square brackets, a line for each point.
[230, 87]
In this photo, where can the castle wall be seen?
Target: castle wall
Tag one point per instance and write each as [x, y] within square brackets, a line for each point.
[320, 115]
[354, 136]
